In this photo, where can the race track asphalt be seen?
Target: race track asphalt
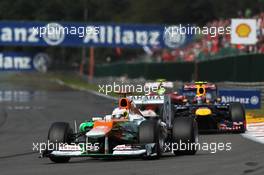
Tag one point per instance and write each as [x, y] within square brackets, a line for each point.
[26, 122]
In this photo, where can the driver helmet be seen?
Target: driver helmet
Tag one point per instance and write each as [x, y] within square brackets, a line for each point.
[120, 113]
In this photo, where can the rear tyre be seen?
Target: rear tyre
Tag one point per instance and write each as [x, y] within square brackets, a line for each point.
[150, 132]
[185, 135]
[59, 132]
[237, 114]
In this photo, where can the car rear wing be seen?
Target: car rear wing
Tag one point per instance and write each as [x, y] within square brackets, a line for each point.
[191, 86]
[166, 84]
[164, 100]
[147, 100]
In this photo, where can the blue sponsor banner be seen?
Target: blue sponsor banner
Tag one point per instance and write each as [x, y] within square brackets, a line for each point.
[92, 34]
[250, 98]
[20, 61]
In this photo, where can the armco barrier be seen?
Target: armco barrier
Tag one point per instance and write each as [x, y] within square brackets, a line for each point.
[243, 68]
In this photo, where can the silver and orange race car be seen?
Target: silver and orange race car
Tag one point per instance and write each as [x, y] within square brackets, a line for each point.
[203, 103]
[128, 131]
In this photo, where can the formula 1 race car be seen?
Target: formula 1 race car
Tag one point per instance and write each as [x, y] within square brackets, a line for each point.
[128, 131]
[203, 103]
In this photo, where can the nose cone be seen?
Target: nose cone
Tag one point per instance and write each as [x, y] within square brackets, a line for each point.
[100, 129]
[203, 112]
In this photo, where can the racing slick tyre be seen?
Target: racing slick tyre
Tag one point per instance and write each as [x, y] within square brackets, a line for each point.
[150, 132]
[59, 132]
[237, 114]
[184, 136]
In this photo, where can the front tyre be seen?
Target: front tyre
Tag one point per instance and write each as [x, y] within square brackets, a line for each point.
[237, 114]
[150, 132]
[185, 135]
[59, 132]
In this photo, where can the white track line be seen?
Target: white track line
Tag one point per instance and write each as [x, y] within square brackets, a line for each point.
[255, 132]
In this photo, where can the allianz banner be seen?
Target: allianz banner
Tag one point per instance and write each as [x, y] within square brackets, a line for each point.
[20, 61]
[92, 34]
[250, 98]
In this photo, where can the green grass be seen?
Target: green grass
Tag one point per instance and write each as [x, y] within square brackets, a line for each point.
[71, 79]
[46, 81]
[77, 81]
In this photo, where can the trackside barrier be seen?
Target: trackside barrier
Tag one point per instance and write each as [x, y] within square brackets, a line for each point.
[243, 68]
